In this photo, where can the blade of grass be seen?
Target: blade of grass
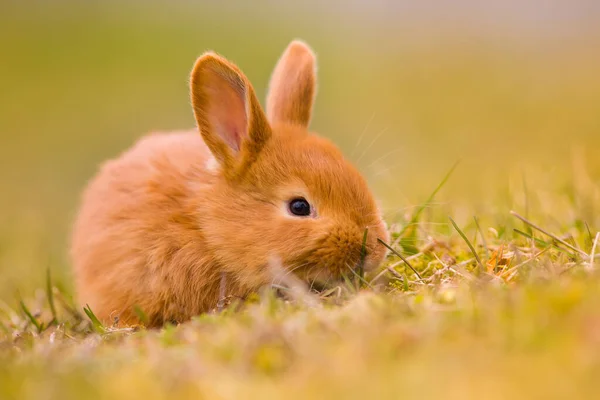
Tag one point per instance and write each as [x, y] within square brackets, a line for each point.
[363, 255]
[509, 271]
[66, 303]
[401, 257]
[395, 273]
[381, 273]
[589, 232]
[483, 241]
[141, 314]
[536, 240]
[30, 316]
[280, 287]
[50, 296]
[96, 324]
[419, 210]
[349, 284]
[526, 195]
[593, 253]
[360, 278]
[461, 233]
[543, 243]
[559, 240]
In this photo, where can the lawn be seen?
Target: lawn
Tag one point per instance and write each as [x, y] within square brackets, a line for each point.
[482, 146]
[524, 324]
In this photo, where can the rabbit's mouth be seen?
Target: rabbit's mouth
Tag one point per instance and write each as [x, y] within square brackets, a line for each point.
[321, 271]
[320, 279]
[322, 286]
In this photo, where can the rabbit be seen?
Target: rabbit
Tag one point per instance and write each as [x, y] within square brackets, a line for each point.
[162, 227]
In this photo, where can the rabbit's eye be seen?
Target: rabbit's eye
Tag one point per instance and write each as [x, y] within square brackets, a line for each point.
[299, 207]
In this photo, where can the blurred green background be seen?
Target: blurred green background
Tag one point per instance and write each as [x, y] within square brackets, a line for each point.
[406, 90]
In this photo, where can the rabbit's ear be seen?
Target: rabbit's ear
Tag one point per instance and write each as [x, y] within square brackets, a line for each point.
[293, 86]
[229, 116]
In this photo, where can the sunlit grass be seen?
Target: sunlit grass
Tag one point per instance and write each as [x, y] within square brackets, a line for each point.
[525, 325]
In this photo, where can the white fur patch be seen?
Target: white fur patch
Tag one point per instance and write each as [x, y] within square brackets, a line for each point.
[212, 165]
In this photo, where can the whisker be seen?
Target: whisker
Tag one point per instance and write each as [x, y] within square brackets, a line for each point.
[298, 290]
[289, 272]
[360, 138]
[389, 153]
[388, 170]
[371, 144]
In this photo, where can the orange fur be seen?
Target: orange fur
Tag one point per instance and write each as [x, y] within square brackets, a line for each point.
[160, 224]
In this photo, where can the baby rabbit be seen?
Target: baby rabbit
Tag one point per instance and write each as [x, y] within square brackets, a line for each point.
[161, 225]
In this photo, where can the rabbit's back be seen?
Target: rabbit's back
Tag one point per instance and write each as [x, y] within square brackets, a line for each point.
[136, 242]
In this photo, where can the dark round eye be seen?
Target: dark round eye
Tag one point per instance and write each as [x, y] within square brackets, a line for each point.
[299, 207]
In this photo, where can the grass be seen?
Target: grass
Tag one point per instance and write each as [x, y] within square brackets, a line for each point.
[460, 232]
[501, 305]
[442, 324]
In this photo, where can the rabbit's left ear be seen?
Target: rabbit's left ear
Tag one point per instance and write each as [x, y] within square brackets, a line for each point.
[229, 116]
[293, 86]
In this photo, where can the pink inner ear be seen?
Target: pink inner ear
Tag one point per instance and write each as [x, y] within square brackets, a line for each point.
[227, 110]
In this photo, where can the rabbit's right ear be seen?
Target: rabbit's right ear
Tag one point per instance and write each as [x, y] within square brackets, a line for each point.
[293, 86]
[229, 116]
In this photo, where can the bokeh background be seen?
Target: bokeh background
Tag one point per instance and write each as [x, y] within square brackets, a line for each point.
[511, 88]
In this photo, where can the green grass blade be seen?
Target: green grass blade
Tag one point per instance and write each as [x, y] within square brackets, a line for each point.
[360, 279]
[417, 214]
[96, 324]
[363, 255]
[141, 314]
[50, 296]
[462, 234]
[543, 243]
[483, 241]
[401, 257]
[589, 232]
[545, 232]
[30, 316]
[349, 284]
